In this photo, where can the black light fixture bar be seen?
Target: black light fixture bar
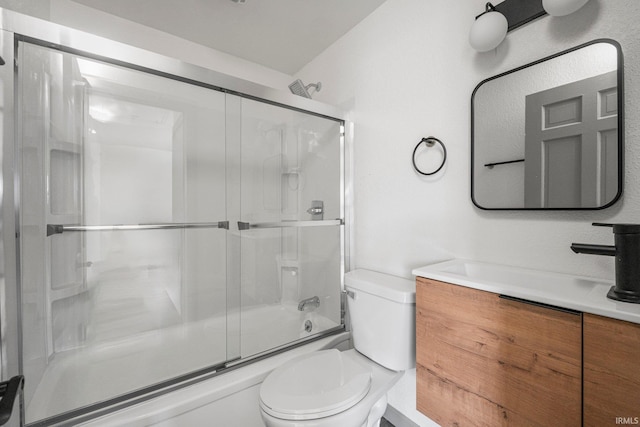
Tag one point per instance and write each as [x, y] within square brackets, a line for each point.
[520, 12]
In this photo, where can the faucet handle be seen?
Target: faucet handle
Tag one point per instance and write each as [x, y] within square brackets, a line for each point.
[621, 228]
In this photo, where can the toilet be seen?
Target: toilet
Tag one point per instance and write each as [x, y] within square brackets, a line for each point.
[331, 388]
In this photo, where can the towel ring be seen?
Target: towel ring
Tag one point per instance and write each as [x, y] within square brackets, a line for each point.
[429, 142]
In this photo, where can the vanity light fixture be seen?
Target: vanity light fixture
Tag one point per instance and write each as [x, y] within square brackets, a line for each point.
[488, 30]
[562, 7]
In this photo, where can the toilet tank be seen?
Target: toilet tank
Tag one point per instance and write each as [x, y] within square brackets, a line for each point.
[382, 309]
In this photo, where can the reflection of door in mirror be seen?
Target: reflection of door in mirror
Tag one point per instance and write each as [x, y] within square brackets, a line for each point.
[564, 113]
[571, 144]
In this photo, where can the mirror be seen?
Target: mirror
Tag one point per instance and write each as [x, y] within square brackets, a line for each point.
[548, 135]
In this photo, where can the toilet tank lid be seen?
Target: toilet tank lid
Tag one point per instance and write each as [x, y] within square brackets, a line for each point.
[384, 285]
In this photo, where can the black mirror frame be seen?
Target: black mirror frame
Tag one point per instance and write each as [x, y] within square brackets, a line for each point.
[620, 77]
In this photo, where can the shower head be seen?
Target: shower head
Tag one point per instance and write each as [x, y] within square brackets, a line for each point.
[298, 88]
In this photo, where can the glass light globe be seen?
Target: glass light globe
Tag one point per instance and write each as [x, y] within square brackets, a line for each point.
[562, 7]
[488, 31]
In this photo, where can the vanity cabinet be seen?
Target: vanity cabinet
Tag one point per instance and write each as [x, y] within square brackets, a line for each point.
[484, 360]
[611, 371]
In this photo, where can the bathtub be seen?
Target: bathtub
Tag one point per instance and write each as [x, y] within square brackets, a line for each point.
[230, 399]
[82, 376]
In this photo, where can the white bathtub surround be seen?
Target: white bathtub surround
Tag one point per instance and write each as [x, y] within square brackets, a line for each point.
[231, 399]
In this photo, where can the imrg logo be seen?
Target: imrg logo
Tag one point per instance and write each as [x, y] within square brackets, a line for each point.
[627, 420]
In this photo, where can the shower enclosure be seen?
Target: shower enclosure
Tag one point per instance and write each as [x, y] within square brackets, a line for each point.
[167, 228]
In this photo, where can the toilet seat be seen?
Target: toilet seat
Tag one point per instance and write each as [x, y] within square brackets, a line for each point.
[315, 385]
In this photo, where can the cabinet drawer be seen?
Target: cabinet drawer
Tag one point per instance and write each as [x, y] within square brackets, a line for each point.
[483, 360]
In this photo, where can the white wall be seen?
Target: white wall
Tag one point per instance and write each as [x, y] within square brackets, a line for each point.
[408, 72]
[75, 15]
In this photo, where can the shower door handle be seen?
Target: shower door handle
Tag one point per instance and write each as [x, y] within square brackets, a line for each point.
[60, 228]
[289, 224]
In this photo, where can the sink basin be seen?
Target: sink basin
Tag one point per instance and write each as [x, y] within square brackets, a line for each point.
[580, 293]
[495, 275]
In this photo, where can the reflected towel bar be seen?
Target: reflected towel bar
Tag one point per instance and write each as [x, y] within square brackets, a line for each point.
[490, 165]
[286, 224]
[59, 228]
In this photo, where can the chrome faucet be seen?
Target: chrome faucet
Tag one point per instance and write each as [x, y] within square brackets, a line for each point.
[313, 301]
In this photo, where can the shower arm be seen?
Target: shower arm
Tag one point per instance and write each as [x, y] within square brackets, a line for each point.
[316, 86]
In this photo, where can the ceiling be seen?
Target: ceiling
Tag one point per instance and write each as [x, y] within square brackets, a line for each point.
[283, 35]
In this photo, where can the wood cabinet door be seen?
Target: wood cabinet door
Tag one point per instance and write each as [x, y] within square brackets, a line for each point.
[611, 372]
[487, 361]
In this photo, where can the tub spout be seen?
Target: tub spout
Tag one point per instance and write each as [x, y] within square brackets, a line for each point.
[313, 301]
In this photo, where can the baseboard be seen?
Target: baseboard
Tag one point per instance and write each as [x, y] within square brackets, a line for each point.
[398, 419]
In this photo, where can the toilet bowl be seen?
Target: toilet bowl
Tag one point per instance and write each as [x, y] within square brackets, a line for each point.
[349, 388]
[326, 389]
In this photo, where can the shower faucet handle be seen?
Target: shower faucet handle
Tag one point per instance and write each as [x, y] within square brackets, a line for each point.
[316, 210]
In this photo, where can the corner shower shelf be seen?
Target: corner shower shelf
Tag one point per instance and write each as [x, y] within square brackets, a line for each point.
[59, 228]
[67, 146]
[70, 290]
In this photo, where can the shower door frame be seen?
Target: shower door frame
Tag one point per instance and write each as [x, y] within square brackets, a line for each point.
[16, 27]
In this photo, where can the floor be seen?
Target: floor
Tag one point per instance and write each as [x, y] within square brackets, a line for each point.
[385, 423]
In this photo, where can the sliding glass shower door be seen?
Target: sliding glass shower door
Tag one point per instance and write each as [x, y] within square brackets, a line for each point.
[168, 230]
[123, 230]
[290, 222]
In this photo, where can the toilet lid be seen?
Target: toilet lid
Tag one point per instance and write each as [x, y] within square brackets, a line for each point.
[314, 385]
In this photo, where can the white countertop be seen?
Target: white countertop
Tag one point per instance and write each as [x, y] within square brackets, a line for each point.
[579, 293]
